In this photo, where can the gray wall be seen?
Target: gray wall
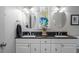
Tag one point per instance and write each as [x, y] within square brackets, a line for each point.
[2, 32]
[72, 30]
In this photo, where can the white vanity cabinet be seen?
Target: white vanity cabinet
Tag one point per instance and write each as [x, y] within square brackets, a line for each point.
[46, 45]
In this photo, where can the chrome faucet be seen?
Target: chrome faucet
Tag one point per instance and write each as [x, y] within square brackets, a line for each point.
[58, 33]
[29, 33]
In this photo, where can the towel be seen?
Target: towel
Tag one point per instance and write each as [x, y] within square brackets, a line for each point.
[18, 31]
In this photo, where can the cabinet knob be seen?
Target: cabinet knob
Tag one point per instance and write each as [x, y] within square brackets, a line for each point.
[34, 49]
[45, 49]
[56, 49]
[45, 41]
[28, 45]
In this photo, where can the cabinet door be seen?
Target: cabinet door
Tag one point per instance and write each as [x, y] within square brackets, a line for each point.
[56, 48]
[45, 48]
[22, 41]
[35, 48]
[68, 48]
[22, 48]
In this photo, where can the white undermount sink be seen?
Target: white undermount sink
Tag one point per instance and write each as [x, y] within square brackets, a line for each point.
[60, 36]
[29, 36]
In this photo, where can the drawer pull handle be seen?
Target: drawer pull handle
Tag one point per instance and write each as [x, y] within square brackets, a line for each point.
[34, 49]
[55, 49]
[45, 41]
[28, 45]
[45, 49]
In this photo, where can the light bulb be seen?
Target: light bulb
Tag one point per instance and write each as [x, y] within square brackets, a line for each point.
[56, 9]
[26, 10]
[62, 9]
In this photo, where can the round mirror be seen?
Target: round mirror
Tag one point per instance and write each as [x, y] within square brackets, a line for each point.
[59, 19]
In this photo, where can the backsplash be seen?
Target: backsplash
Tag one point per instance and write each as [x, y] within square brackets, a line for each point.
[48, 33]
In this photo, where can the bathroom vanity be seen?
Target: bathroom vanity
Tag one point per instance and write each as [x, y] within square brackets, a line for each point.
[47, 19]
[46, 44]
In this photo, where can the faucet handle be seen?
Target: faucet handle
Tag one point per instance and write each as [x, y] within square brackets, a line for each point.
[3, 44]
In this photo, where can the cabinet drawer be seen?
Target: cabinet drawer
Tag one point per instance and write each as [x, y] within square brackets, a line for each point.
[22, 48]
[23, 45]
[35, 41]
[45, 41]
[68, 48]
[68, 45]
[68, 41]
[22, 41]
[63, 41]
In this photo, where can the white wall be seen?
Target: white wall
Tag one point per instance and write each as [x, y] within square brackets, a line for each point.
[10, 18]
[11, 15]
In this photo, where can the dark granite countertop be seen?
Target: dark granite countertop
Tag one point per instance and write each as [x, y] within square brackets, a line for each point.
[48, 37]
